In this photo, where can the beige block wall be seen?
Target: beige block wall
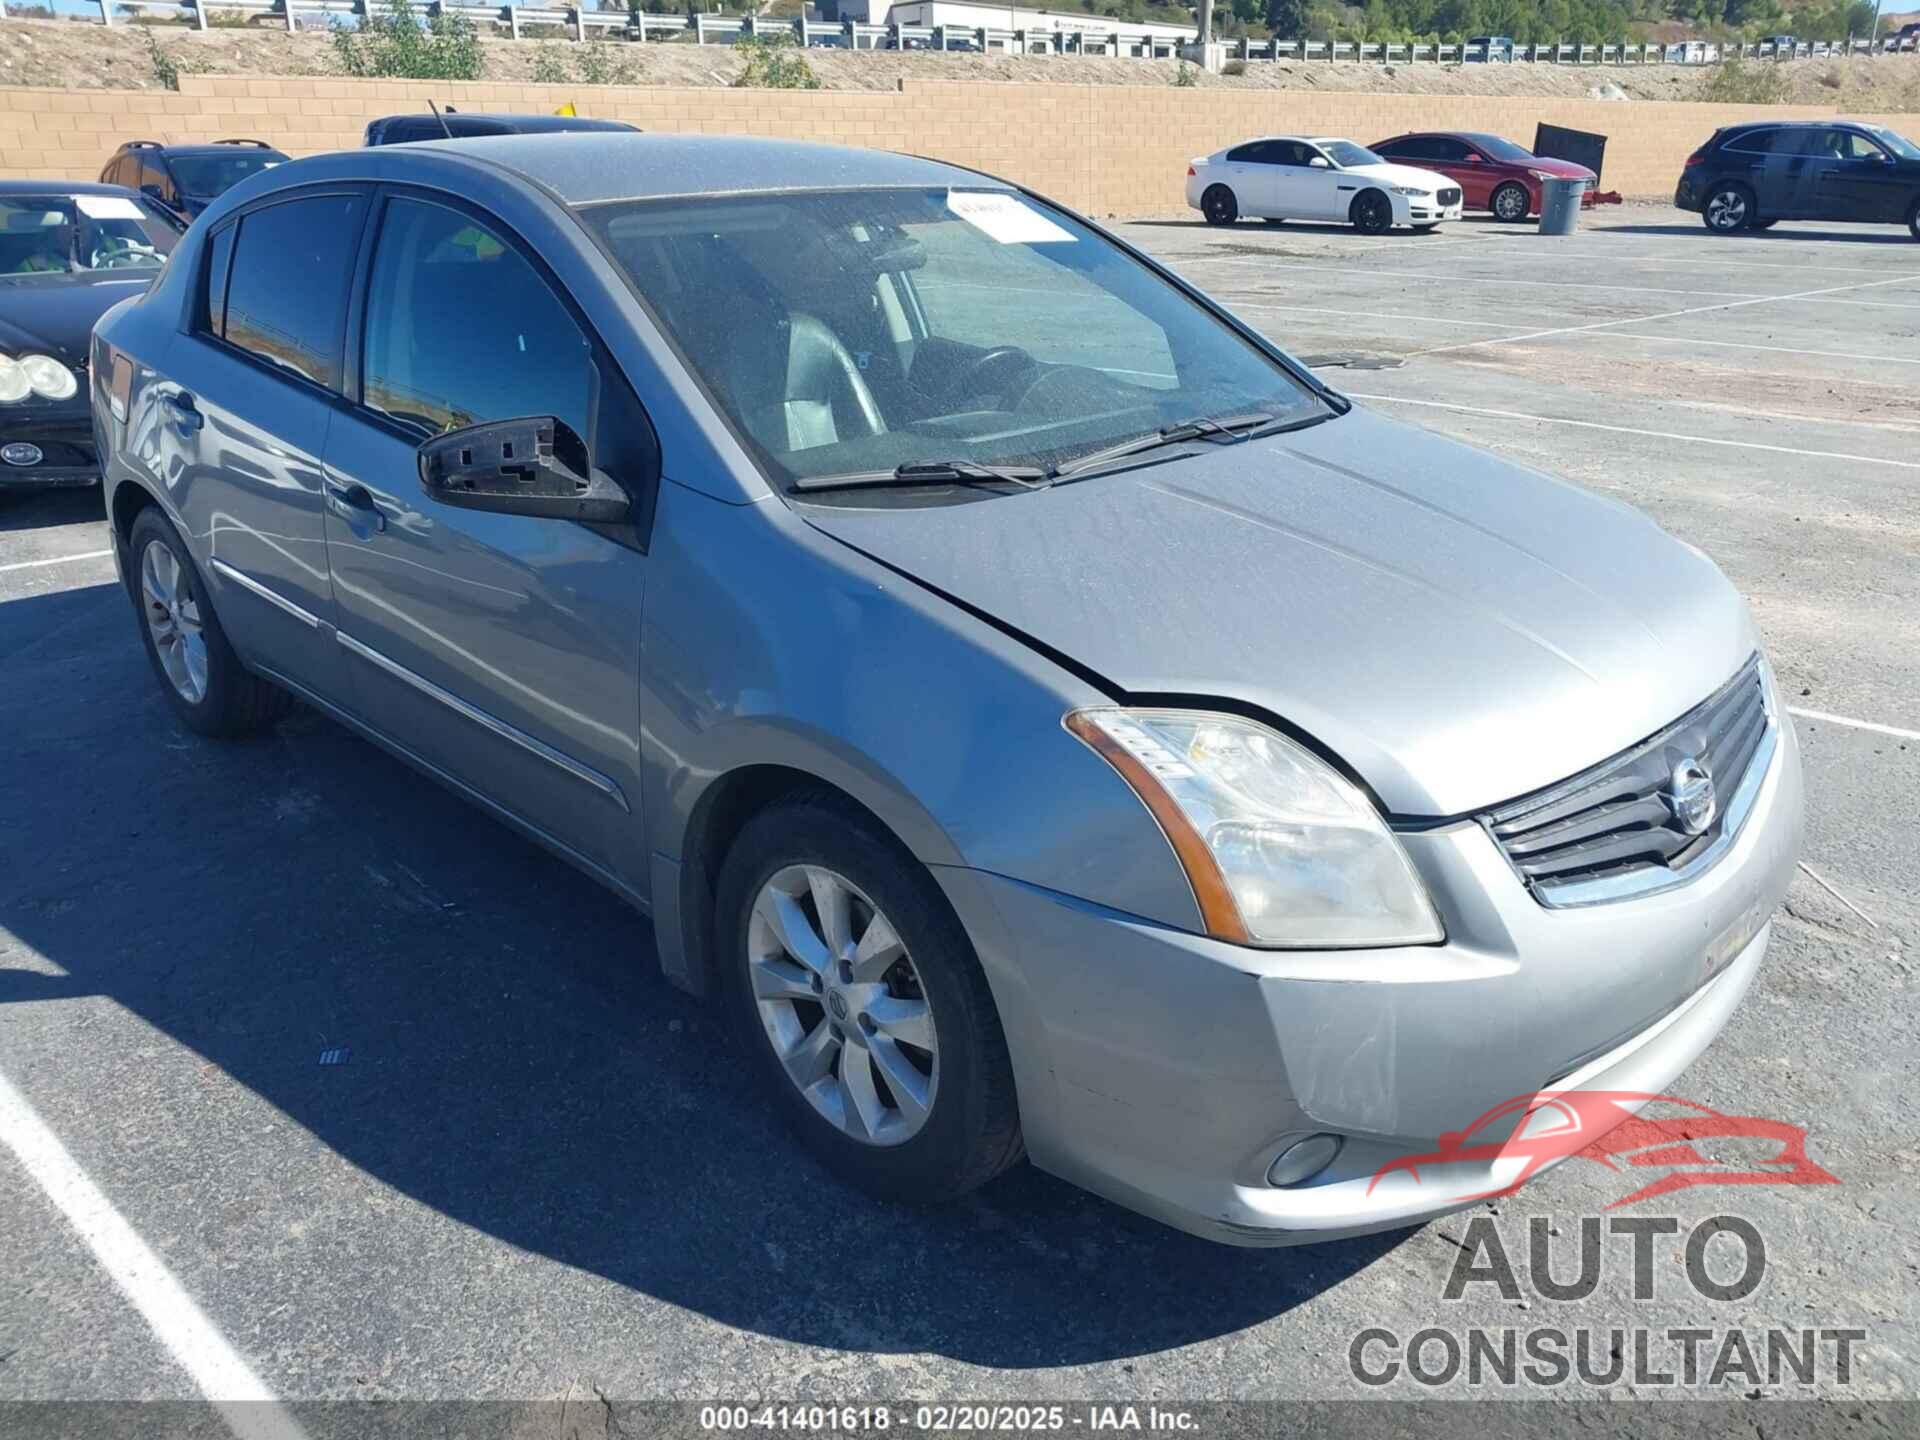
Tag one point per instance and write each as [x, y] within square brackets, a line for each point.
[1108, 150]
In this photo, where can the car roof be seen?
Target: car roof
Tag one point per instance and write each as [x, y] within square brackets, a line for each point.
[587, 169]
[527, 124]
[62, 187]
[225, 147]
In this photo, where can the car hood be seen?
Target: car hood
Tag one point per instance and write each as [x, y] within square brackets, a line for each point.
[1458, 629]
[54, 314]
[1388, 174]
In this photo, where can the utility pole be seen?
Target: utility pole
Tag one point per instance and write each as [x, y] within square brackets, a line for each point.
[1206, 22]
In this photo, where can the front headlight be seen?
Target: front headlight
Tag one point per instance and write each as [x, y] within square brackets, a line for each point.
[48, 377]
[1412, 190]
[14, 384]
[1280, 849]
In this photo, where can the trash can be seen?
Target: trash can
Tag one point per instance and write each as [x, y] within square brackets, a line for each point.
[1560, 205]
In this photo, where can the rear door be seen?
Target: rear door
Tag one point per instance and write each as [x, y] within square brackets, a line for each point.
[1249, 171]
[249, 395]
[502, 650]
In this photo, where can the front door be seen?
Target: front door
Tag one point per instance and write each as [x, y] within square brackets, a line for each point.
[247, 403]
[1863, 183]
[503, 650]
[1309, 191]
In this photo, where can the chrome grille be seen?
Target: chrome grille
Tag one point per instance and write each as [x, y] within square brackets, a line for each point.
[1615, 831]
[1449, 195]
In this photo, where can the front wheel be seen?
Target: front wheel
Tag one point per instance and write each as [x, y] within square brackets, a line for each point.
[861, 1000]
[1510, 203]
[1372, 213]
[202, 678]
[1913, 220]
[1729, 209]
[1218, 205]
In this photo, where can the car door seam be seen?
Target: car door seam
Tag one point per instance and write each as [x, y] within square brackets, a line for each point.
[559, 759]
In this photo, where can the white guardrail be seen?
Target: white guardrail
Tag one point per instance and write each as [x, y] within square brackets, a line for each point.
[701, 29]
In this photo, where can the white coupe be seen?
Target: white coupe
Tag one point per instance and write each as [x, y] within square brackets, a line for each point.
[1284, 177]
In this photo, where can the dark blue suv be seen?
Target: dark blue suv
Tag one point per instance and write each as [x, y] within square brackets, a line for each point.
[187, 178]
[1749, 176]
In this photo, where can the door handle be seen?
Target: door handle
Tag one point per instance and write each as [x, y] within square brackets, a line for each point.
[185, 413]
[354, 503]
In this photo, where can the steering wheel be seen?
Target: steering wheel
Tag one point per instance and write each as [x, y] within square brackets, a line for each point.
[117, 257]
[977, 374]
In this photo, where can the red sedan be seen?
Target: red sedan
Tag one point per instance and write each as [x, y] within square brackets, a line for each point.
[1495, 174]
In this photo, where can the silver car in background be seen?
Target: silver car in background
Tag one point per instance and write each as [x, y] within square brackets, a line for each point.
[1042, 713]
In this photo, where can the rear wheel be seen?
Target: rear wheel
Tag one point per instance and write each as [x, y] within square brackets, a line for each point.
[1510, 203]
[1729, 209]
[859, 995]
[204, 681]
[1218, 205]
[1371, 213]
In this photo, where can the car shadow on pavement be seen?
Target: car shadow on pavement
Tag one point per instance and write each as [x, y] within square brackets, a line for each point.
[42, 509]
[1881, 235]
[513, 1058]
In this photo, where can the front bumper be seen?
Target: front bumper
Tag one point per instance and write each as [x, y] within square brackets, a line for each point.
[65, 439]
[1410, 211]
[1166, 1070]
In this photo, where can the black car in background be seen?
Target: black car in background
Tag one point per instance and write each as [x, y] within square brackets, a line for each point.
[1749, 176]
[69, 252]
[187, 178]
[459, 124]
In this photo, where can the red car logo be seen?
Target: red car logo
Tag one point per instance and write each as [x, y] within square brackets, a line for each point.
[1692, 1147]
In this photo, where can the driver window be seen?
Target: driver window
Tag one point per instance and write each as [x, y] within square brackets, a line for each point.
[438, 360]
[1855, 146]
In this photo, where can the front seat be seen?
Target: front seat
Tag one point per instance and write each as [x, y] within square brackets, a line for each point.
[817, 397]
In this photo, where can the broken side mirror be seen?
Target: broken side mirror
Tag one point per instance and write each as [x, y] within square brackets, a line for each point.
[536, 465]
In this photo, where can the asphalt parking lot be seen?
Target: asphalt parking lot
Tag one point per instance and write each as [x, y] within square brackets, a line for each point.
[539, 1172]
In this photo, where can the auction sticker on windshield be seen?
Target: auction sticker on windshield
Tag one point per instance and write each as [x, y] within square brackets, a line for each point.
[1005, 218]
[108, 207]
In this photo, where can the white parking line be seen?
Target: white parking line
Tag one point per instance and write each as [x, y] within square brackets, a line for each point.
[1664, 315]
[1373, 315]
[1693, 340]
[1875, 726]
[55, 560]
[245, 1404]
[1645, 290]
[1559, 255]
[1631, 430]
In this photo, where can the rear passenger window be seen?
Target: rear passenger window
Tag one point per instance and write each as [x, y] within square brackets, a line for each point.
[287, 291]
[213, 299]
[461, 328]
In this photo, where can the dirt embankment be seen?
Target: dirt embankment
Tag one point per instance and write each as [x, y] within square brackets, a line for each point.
[70, 54]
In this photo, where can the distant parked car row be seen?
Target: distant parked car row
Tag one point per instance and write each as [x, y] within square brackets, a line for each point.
[1418, 181]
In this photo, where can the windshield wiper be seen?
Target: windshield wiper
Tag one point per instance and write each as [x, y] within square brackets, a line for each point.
[1224, 430]
[932, 472]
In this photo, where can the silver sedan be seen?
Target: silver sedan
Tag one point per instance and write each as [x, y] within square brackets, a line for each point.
[1043, 715]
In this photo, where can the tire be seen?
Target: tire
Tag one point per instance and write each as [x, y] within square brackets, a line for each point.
[1913, 220]
[970, 1128]
[1728, 209]
[1371, 212]
[204, 681]
[1219, 206]
[1510, 203]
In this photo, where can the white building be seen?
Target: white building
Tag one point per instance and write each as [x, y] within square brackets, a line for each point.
[962, 15]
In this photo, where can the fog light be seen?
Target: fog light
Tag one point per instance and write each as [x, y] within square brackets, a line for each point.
[1303, 1160]
[21, 453]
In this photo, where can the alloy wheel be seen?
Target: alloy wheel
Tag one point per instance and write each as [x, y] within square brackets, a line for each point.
[1727, 210]
[173, 621]
[1510, 203]
[1219, 206]
[842, 1005]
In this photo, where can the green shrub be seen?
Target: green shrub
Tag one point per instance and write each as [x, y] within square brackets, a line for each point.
[166, 70]
[1737, 83]
[393, 43]
[602, 62]
[1186, 76]
[774, 63]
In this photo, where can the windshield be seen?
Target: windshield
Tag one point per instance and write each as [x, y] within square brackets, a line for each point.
[61, 234]
[1501, 149]
[205, 176]
[849, 332]
[1894, 141]
[1346, 154]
